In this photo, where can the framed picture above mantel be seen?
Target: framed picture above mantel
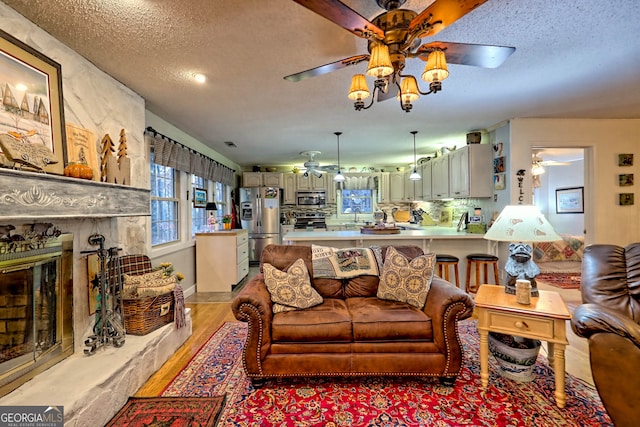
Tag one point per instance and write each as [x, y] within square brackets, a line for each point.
[32, 111]
[570, 200]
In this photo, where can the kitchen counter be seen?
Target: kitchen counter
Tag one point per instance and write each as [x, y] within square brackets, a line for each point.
[426, 233]
[432, 239]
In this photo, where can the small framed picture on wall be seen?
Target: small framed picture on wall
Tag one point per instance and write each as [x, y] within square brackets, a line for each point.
[626, 199]
[625, 159]
[625, 179]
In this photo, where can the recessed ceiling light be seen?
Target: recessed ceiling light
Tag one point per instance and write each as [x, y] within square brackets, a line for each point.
[200, 78]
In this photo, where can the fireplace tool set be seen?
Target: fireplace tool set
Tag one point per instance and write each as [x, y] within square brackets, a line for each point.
[109, 323]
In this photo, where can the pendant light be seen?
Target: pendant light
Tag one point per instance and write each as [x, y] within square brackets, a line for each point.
[415, 176]
[339, 177]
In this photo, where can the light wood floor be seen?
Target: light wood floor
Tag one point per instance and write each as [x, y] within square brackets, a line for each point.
[206, 319]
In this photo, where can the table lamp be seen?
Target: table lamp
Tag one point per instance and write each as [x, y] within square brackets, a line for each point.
[521, 224]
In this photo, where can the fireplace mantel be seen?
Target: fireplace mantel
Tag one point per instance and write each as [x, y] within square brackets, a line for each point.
[31, 195]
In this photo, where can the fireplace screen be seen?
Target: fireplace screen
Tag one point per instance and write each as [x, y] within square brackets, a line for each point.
[28, 317]
[35, 309]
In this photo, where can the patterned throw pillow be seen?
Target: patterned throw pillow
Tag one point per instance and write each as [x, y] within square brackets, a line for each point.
[290, 290]
[343, 263]
[406, 281]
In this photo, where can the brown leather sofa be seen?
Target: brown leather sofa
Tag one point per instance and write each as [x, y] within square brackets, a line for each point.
[352, 333]
[610, 318]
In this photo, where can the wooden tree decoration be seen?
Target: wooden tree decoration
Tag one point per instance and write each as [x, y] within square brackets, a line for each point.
[105, 154]
[119, 169]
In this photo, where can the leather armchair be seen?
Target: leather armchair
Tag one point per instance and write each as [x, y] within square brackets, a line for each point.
[609, 317]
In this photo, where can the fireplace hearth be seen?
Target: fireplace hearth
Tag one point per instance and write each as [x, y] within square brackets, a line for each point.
[36, 302]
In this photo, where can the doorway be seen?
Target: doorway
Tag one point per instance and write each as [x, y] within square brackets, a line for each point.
[556, 172]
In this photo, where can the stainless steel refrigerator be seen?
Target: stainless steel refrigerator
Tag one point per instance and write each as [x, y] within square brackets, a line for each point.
[260, 215]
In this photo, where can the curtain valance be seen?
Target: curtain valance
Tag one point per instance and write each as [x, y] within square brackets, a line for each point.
[359, 183]
[173, 154]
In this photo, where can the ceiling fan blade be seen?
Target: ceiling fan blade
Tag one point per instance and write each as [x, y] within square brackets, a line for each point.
[444, 12]
[327, 68]
[477, 55]
[341, 14]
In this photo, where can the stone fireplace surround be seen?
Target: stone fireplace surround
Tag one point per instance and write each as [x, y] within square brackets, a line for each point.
[90, 388]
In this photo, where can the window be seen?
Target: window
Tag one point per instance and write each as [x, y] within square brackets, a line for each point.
[164, 205]
[220, 199]
[356, 202]
[198, 215]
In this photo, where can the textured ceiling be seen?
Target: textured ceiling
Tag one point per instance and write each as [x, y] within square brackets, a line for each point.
[573, 58]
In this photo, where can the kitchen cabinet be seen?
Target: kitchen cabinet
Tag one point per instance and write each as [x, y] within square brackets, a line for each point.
[222, 260]
[410, 193]
[470, 173]
[331, 188]
[312, 182]
[440, 177]
[383, 188]
[289, 189]
[425, 173]
[396, 187]
[262, 179]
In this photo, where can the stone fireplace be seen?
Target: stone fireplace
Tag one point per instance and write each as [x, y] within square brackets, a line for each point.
[44, 289]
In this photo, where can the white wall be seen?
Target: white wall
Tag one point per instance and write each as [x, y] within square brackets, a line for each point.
[95, 101]
[605, 220]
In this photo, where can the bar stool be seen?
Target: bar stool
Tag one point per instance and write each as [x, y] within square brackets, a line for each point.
[443, 262]
[475, 261]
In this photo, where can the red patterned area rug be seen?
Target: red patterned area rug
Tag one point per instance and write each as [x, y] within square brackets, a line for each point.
[169, 412]
[560, 280]
[380, 401]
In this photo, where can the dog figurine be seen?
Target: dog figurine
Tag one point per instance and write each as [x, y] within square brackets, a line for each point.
[521, 266]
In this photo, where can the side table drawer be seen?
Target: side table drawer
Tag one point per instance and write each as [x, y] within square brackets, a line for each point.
[532, 326]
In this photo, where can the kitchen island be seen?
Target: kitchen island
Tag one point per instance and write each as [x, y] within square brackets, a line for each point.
[442, 240]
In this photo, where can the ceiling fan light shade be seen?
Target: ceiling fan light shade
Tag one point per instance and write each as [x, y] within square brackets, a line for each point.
[359, 89]
[537, 169]
[380, 62]
[436, 68]
[409, 90]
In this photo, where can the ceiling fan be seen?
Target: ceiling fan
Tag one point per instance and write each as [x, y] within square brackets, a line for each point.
[400, 31]
[312, 166]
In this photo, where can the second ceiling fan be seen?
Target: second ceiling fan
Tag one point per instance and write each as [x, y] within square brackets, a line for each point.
[395, 36]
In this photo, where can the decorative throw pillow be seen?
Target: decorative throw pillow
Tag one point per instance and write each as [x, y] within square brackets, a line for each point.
[344, 263]
[290, 290]
[406, 281]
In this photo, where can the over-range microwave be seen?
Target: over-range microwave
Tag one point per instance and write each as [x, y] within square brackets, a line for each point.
[311, 198]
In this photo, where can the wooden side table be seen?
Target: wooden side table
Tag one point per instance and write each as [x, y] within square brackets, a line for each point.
[544, 319]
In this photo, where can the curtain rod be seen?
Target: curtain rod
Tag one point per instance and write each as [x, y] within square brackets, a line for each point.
[156, 133]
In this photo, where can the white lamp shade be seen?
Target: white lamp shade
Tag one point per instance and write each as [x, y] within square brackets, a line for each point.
[521, 223]
[415, 176]
[338, 177]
